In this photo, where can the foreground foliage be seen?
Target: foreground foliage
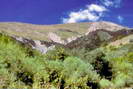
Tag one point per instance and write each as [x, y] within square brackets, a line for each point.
[102, 68]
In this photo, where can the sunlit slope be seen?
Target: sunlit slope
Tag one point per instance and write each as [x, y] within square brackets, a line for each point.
[40, 32]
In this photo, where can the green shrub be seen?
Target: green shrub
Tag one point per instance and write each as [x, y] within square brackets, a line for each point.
[64, 68]
[106, 84]
[58, 53]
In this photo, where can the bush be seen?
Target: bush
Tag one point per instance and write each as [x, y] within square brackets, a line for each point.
[105, 67]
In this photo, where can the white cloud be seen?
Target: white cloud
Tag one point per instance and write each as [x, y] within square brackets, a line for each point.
[111, 3]
[93, 12]
[94, 7]
[120, 19]
[108, 3]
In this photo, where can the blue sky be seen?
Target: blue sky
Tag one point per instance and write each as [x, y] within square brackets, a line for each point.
[66, 11]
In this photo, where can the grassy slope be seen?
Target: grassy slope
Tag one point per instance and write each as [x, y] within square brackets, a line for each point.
[124, 40]
[40, 32]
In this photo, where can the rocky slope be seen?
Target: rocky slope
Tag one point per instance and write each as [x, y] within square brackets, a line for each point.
[88, 35]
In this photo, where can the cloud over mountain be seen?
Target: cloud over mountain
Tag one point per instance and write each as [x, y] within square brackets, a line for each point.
[93, 12]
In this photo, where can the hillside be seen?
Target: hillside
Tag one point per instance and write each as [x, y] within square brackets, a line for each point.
[97, 55]
[40, 32]
[44, 37]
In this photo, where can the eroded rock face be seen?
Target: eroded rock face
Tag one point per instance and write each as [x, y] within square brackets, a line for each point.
[55, 38]
[105, 25]
[42, 47]
[35, 44]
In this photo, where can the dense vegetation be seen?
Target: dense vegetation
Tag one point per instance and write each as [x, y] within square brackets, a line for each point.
[102, 68]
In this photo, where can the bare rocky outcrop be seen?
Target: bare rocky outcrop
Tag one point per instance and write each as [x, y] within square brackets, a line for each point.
[41, 46]
[55, 38]
[104, 25]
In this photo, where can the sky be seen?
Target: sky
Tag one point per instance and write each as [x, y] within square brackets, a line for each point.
[67, 11]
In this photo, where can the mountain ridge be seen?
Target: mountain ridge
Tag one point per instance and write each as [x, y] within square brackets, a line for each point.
[68, 35]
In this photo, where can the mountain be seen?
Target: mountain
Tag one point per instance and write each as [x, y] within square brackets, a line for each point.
[75, 35]
[94, 55]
